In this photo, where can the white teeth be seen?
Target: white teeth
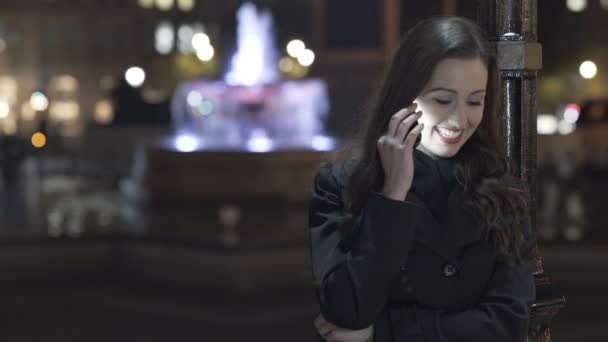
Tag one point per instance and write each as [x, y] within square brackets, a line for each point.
[448, 133]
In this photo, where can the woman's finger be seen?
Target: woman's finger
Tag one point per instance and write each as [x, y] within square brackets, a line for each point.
[323, 326]
[398, 117]
[413, 135]
[406, 126]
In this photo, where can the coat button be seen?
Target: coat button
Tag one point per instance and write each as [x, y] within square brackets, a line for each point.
[449, 270]
[404, 278]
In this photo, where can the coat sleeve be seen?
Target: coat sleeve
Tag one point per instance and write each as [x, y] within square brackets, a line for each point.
[354, 277]
[502, 314]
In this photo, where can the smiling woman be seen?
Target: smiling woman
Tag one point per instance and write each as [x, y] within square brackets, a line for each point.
[452, 109]
[429, 242]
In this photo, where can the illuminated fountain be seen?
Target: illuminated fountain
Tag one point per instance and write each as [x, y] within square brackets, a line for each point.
[252, 109]
[237, 172]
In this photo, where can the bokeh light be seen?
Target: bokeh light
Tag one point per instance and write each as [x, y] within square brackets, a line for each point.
[576, 5]
[200, 41]
[164, 38]
[295, 48]
[5, 109]
[38, 140]
[164, 5]
[206, 53]
[145, 3]
[104, 112]
[588, 69]
[186, 5]
[306, 57]
[39, 101]
[135, 76]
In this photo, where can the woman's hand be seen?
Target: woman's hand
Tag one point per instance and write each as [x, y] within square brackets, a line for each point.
[333, 333]
[395, 149]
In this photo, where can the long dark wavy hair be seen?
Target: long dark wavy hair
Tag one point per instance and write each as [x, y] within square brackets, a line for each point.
[480, 165]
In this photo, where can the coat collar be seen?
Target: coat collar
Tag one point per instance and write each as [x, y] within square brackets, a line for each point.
[448, 234]
[445, 225]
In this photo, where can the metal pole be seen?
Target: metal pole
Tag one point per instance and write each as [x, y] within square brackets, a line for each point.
[511, 26]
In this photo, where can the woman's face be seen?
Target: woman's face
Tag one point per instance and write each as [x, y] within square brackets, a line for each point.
[452, 105]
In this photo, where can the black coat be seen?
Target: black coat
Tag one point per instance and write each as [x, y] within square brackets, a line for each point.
[416, 273]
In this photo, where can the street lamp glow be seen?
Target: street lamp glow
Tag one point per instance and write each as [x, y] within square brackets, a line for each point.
[576, 5]
[200, 40]
[588, 69]
[186, 5]
[5, 109]
[206, 53]
[295, 48]
[146, 3]
[164, 38]
[39, 101]
[135, 76]
[38, 140]
[164, 5]
[306, 57]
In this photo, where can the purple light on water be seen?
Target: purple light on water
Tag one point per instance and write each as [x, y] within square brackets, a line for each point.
[255, 61]
[259, 142]
[186, 143]
[323, 143]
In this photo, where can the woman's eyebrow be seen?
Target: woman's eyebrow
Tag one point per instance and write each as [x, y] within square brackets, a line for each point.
[453, 91]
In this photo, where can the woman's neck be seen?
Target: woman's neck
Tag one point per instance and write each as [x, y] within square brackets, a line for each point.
[426, 152]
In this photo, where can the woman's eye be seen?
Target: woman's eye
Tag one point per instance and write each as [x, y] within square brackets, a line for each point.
[442, 102]
[475, 103]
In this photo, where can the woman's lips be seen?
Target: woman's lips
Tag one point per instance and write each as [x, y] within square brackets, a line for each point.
[450, 139]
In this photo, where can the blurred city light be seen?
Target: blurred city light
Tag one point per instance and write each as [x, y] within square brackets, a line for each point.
[27, 112]
[306, 57]
[38, 140]
[323, 143]
[259, 141]
[206, 53]
[565, 128]
[64, 110]
[200, 40]
[186, 5]
[186, 143]
[9, 89]
[576, 5]
[295, 48]
[194, 98]
[39, 101]
[9, 125]
[135, 76]
[64, 83]
[145, 3]
[5, 109]
[572, 112]
[286, 65]
[164, 5]
[588, 69]
[103, 112]
[184, 35]
[164, 38]
[546, 124]
[604, 4]
[2, 45]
